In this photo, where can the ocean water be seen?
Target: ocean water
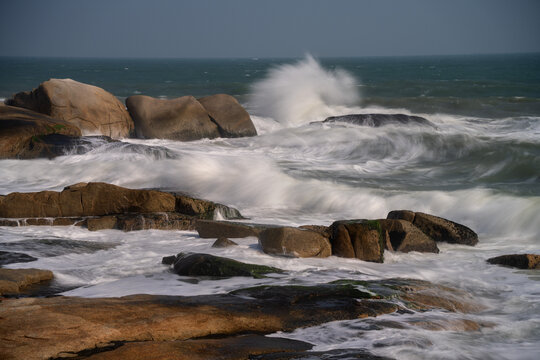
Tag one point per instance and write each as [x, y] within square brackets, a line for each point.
[479, 164]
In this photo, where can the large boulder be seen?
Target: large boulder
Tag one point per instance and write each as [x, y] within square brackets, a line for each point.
[361, 239]
[520, 261]
[90, 108]
[406, 237]
[230, 117]
[26, 134]
[295, 242]
[437, 228]
[216, 266]
[183, 118]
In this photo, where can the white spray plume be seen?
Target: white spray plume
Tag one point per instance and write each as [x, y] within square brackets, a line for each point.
[295, 94]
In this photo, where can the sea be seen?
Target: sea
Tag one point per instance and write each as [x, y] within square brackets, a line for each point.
[479, 165]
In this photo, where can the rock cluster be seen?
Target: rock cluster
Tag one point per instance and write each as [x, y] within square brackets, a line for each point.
[48, 121]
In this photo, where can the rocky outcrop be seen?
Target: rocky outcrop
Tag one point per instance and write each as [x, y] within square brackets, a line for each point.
[12, 281]
[40, 328]
[183, 119]
[212, 229]
[405, 237]
[223, 242]
[89, 108]
[377, 120]
[216, 266]
[361, 239]
[25, 134]
[294, 242]
[520, 261]
[437, 228]
[230, 117]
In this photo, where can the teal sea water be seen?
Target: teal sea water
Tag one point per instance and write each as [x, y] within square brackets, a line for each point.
[479, 164]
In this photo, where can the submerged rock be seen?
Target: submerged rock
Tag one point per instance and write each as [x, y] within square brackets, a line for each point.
[8, 257]
[89, 108]
[230, 117]
[12, 281]
[439, 229]
[295, 242]
[377, 120]
[361, 239]
[216, 266]
[223, 242]
[41, 328]
[520, 261]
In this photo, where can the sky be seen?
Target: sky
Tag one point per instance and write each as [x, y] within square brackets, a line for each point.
[276, 28]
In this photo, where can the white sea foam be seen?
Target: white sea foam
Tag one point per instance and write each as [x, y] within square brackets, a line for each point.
[294, 94]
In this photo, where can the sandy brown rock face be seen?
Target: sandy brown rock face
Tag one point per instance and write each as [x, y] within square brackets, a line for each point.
[12, 281]
[289, 241]
[405, 237]
[183, 119]
[24, 134]
[361, 239]
[90, 108]
[230, 117]
[520, 261]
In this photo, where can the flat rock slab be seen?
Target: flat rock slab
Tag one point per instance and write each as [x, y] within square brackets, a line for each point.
[12, 281]
[520, 261]
[377, 120]
[213, 229]
[40, 328]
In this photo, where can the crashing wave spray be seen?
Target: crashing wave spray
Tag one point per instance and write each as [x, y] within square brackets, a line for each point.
[295, 94]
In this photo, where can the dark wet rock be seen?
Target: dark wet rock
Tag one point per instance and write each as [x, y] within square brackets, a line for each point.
[213, 229]
[520, 261]
[204, 209]
[405, 237]
[216, 266]
[361, 239]
[337, 354]
[377, 120]
[183, 118]
[8, 257]
[12, 281]
[294, 242]
[56, 246]
[40, 328]
[25, 134]
[89, 108]
[230, 117]
[223, 242]
[230, 348]
[439, 229]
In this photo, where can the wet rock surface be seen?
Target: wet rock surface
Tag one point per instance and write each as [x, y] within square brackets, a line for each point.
[520, 261]
[377, 120]
[223, 242]
[12, 281]
[294, 242]
[9, 257]
[361, 239]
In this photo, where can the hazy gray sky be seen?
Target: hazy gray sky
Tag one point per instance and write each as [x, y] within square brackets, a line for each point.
[272, 28]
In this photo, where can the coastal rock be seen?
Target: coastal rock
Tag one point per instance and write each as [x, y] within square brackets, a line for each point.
[213, 229]
[337, 354]
[90, 108]
[223, 242]
[520, 261]
[8, 257]
[230, 117]
[377, 120]
[231, 348]
[216, 266]
[361, 239]
[295, 242]
[40, 328]
[183, 119]
[26, 134]
[439, 229]
[12, 281]
[204, 209]
[406, 237]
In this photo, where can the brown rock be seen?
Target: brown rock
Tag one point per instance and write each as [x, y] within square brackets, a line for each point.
[362, 239]
[213, 229]
[12, 281]
[90, 108]
[223, 242]
[204, 209]
[437, 228]
[25, 134]
[406, 237]
[101, 223]
[520, 261]
[289, 241]
[231, 118]
[181, 119]
[232, 348]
